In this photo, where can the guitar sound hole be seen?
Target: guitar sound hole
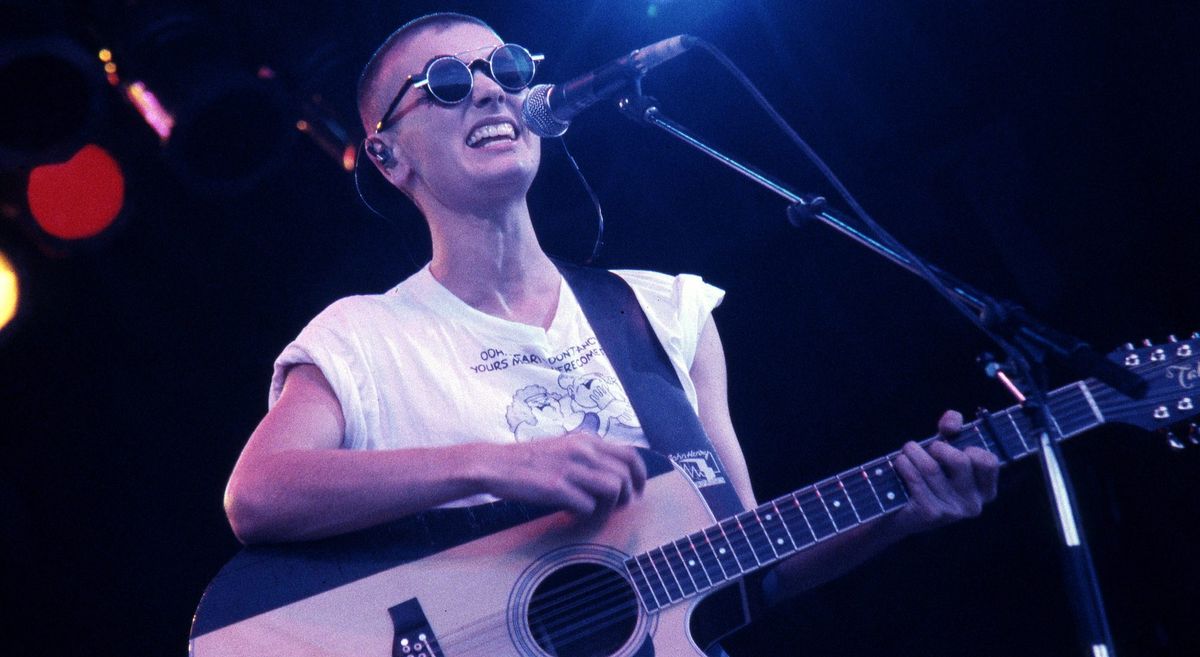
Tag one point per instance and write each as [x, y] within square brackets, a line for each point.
[582, 610]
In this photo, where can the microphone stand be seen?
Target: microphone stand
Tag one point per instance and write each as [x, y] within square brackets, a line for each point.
[1025, 340]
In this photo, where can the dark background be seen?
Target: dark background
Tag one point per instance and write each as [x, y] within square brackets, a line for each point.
[1046, 152]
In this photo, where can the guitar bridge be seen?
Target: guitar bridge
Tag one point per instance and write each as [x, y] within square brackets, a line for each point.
[414, 637]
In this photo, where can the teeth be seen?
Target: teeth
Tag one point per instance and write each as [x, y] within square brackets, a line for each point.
[492, 130]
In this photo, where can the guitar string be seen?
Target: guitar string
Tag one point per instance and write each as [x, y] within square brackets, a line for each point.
[587, 627]
[740, 543]
[1067, 416]
[622, 585]
[587, 590]
[485, 636]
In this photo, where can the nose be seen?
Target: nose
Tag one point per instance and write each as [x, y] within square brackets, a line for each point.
[485, 91]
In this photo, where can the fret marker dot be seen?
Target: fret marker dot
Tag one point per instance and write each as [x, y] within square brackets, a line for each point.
[721, 550]
[768, 516]
[837, 503]
[891, 495]
[878, 471]
[691, 563]
[779, 541]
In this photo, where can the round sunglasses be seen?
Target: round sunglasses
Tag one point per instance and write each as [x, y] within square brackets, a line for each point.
[449, 80]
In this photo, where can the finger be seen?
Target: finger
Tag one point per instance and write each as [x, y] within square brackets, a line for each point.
[603, 487]
[958, 468]
[986, 469]
[930, 472]
[632, 462]
[572, 498]
[919, 493]
[627, 464]
[950, 424]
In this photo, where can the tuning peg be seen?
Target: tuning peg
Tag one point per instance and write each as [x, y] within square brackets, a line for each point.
[1172, 338]
[1147, 343]
[1196, 335]
[1193, 434]
[1174, 442]
[1129, 346]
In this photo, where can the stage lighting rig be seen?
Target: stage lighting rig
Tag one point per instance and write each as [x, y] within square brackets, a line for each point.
[223, 122]
[52, 88]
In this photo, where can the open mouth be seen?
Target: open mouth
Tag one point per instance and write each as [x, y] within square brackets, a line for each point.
[492, 133]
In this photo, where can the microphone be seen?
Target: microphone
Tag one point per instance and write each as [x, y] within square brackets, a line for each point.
[549, 108]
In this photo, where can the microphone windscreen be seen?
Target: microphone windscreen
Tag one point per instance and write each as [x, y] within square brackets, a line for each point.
[536, 113]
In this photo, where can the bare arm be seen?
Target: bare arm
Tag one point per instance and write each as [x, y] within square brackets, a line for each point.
[294, 482]
[944, 483]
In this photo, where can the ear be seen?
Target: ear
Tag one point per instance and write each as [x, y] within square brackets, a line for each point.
[380, 153]
[388, 160]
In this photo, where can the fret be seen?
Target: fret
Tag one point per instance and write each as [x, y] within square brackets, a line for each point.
[886, 484]
[1012, 418]
[659, 559]
[638, 576]
[760, 542]
[973, 436]
[657, 588]
[871, 485]
[838, 504]
[740, 542]
[986, 426]
[723, 551]
[858, 489]
[748, 540]
[772, 522]
[682, 574]
[708, 557]
[793, 518]
[694, 562]
[816, 513]
[1066, 411]
[1091, 401]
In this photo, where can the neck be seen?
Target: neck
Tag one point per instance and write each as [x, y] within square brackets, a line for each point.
[492, 261]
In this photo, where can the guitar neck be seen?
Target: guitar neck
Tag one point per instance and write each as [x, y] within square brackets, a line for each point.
[760, 537]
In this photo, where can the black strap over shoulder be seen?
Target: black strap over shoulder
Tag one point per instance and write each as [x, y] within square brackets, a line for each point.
[667, 417]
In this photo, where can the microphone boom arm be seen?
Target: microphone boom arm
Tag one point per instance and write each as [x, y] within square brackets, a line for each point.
[1005, 317]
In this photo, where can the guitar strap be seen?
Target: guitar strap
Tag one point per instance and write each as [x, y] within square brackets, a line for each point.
[667, 417]
[670, 423]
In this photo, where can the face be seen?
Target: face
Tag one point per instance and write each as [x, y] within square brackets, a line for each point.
[439, 155]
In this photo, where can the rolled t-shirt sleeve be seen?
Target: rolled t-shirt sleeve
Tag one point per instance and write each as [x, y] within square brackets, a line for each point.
[678, 307]
[326, 343]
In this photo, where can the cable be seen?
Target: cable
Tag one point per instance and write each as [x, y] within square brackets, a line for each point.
[599, 243]
[358, 158]
[880, 234]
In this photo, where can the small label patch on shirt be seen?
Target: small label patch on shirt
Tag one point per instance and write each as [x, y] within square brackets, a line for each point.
[701, 466]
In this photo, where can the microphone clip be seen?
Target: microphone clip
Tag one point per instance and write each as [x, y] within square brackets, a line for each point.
[635, 105]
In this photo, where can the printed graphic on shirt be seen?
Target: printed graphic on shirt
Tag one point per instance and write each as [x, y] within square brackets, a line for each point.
[492, 359]
[602, 395]
[536, 412]
[701, 467]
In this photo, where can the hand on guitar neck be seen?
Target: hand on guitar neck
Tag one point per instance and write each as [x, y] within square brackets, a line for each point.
[944, 483]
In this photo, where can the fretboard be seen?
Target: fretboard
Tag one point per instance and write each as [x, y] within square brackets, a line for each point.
[754, 539]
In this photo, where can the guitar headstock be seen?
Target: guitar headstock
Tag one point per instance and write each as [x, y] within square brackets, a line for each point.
[1171, 371]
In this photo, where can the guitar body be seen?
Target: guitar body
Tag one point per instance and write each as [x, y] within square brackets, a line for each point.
[550, 585]
[504, 580]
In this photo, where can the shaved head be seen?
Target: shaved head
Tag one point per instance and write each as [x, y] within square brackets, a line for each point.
[373, 88]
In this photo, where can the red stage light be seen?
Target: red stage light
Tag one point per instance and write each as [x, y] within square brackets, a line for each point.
[78, 198]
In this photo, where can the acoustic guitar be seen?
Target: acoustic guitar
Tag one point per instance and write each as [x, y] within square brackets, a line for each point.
[509, 580]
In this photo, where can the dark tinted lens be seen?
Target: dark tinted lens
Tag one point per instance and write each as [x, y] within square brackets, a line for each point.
[512, 68]
[449, 80]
